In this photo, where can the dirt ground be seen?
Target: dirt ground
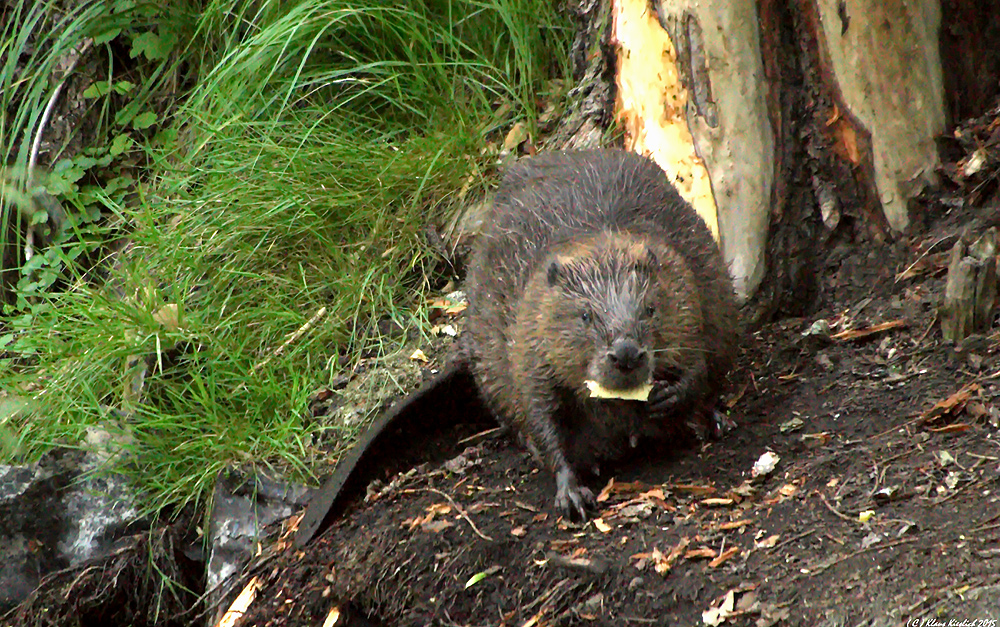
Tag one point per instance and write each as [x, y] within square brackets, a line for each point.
[884, 506]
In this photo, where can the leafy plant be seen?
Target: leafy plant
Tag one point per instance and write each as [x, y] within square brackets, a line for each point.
[286, 161]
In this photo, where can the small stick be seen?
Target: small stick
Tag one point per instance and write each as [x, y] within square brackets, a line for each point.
[461, 512]
[900, 275]
[29, 240]
[831, 508]
[790, 540]
[293, 337]
[857, 334]
[481, 434]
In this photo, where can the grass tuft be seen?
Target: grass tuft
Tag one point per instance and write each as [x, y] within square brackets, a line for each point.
[299, 151]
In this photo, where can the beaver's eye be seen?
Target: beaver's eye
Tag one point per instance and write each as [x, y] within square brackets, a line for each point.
[585, 316]
[650, 311]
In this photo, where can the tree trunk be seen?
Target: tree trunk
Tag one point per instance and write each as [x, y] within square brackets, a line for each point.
[791, 124]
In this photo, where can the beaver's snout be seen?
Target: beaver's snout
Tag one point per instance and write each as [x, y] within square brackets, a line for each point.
[626, 356]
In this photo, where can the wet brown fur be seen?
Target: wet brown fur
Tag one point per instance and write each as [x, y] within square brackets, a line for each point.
[566, 230]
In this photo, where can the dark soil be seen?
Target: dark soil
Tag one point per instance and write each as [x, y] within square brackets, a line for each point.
[685, 533]
[882, 510]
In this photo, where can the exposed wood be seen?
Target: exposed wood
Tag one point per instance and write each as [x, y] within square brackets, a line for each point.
[691, 94]
[884, 59]
[970, 294]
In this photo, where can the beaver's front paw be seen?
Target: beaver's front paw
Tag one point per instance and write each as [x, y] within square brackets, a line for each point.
[572, 499]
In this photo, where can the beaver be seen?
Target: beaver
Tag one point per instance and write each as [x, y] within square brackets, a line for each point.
[591, 269]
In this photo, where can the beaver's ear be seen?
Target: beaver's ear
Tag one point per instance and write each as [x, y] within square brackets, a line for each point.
[555, 271]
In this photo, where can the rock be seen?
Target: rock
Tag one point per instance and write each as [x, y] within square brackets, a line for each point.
[58, 513]
[244, 503]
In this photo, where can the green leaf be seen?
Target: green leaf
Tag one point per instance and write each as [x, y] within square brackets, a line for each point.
[106, 36]
[81, 161]
[165, 137]
[97, 89]
[117, 183]
[476, 579]
[120, 144]
[62, 180]
[144, 120]
[39, 217]
[153, 46]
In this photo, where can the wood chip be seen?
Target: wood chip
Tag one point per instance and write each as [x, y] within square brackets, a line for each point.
[857, 334]
[722, 557]
[950, 405]
[702, 553]
[717, 502]
[602, 526]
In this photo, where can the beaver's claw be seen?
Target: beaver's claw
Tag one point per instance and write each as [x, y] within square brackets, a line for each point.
[572, 499]
[664, 397]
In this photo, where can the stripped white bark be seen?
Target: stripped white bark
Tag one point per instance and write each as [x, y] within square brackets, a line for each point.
[691, 94]
[885, 59]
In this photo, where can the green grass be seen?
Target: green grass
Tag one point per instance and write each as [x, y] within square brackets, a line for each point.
[299, 151]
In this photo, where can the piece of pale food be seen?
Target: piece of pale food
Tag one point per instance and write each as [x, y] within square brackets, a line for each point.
[638, 393]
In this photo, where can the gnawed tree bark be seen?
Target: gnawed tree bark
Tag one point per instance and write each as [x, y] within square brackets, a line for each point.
[691, 94]
[790, 124]
[873, 103]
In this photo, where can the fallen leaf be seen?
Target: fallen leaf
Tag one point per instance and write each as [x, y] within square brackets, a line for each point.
[717, 615]
[518, 532]
[518, 133]
[602, 526]
[434, 510]
[436, 526]
[561, 546]
[813, 440]
[418, 355]
[788, 489]
[791, 425]
[696, 490]
[661, 563]
[168, 317]
[951, 405]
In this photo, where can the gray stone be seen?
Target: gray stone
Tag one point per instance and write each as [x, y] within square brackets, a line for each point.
[58, 513]
[244, 503]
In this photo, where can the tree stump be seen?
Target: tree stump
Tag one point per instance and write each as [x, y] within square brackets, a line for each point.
[970, 294]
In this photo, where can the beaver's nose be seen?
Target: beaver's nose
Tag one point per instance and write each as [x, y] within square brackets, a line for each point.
[626, 355]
